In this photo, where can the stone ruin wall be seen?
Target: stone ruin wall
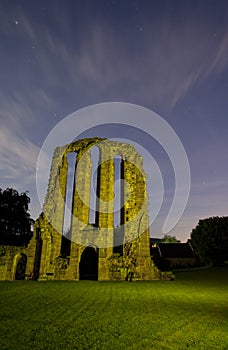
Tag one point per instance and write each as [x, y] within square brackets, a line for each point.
[44, 257]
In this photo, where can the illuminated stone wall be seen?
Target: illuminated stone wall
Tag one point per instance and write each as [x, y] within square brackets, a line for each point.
[45, 258]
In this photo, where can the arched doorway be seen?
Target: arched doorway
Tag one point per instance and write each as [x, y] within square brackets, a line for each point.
[88, 266]
[20, 266]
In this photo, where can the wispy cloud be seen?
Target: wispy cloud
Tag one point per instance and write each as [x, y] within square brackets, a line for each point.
[45, 67]
[162, 64]
[17, 158]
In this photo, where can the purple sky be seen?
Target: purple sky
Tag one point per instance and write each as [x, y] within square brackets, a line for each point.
[169, 56]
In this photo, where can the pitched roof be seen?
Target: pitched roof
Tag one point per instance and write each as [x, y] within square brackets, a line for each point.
[176, 250]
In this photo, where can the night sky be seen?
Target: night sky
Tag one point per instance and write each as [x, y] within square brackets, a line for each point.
[168, 56]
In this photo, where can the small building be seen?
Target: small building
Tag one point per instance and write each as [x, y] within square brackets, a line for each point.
[173, 255]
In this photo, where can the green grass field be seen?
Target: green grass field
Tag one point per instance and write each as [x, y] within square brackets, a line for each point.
[188, 313]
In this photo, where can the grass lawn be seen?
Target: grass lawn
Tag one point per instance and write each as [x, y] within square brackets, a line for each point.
[188, 313]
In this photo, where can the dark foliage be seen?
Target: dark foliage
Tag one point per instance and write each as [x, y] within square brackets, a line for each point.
[15, 221]
[170, 239]
[210, 240]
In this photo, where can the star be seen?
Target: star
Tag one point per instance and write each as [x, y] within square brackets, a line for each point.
[16, 21]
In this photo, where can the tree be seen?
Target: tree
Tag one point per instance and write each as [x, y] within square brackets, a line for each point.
[209, 239]
[15, 221]
[170, 239]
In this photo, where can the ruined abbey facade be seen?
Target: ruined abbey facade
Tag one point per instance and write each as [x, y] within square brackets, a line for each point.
[92, 248]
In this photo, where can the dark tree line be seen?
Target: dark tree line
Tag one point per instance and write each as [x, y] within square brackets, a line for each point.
[210, 240]
[15, 220]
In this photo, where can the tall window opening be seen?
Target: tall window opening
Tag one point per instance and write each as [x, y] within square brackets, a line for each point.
[117, 190]
[66, 237]
[94, 153]
[118, 203]
[122, 193]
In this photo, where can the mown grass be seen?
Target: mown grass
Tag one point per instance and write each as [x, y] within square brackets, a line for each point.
[188, 313]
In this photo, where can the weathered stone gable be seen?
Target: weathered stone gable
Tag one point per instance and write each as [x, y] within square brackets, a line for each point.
[46, 258]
